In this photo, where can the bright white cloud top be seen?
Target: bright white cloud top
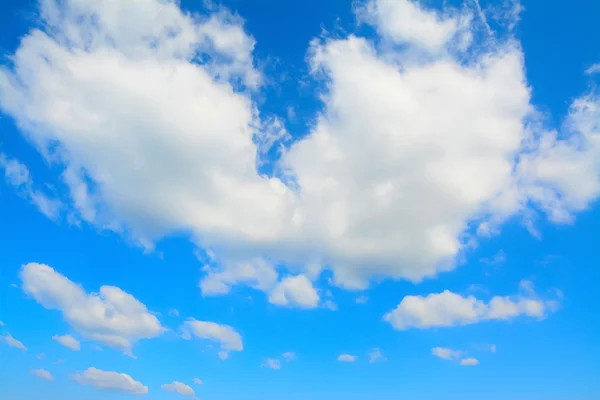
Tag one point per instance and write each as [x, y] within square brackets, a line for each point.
[109, 381]
[111, 317]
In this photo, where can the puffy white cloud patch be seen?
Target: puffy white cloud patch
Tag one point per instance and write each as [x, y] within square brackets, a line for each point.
[179, 388]
[424, 137]
[451, 309]
[227, 337]
[12, 342]
[109, 381]
[347, 358]
[67, 341]
[111, 316]
[295, 291]
[446, 354]
[43, 374]
[17, 175]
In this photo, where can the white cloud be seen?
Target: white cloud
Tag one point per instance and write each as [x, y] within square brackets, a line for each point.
[40, 356]
[361, 300]
[469, 362]
[289, 356]
[449, 309]
[17, 175]
[376, 355]
[406, 21]
[12, 342]
[493, 348]
[43, 374]
[446, 354]
[111, 317]
[67, 341]
[174, 312]
[295, 291]
[347, 358]
[272, 363]
[498, 258]
[198, 381]
[109, 381]
[415, 128]
[179, 388]
[227, 337]
[593, 69]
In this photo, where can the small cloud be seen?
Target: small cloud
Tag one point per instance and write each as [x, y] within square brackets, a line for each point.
[40, 356]
[477, 288]
[527, 286]
[43, 374]
[467, 362]
[330, 305]
[68, 341]
[289, 356]
[12, 342]
[174, 312]
[347, 358]
[361, 300]
[376, 356]
[110, 381]
[58, 362]
[198, 381]
[223, 355]
[97, 348]
[493, 348]
[272, 363]
[446, 354]
[593, 69]
[1, 323]
[180, 388]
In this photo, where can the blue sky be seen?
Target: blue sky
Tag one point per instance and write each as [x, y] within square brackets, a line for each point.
[325, 200]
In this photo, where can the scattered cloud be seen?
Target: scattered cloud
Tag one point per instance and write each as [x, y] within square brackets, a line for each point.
[593, 69]
[376, 355]
[493, 348]
[109, 381]
[527, 286]
[446, 354]
[12, 342]
[289, 356]
[111, 317]
[361, 300]
[40, 356]
[330, 305]
[272, 363]
[496, 259]
[17, 175]
[43, 374]
[179, 388]
[198, 381]
[67, 341]
[469, 362]
[450, 309]
[347, 358]
[227, 337]
[174, 312]
[295, 291]
[1, 323]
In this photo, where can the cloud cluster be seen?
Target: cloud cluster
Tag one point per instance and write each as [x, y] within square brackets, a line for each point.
[111, 316]
[425, 137]
[451, 309]
[109, 381]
